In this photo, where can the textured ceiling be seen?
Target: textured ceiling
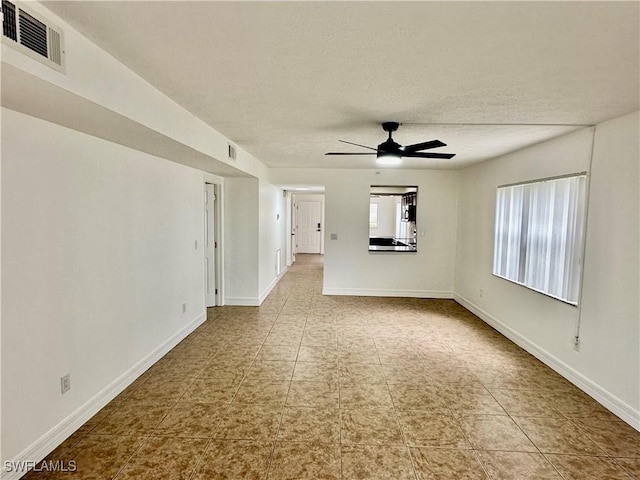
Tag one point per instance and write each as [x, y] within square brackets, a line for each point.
[286, 80]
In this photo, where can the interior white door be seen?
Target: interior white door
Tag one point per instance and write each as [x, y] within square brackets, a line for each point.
[309, 229]
[210, 245]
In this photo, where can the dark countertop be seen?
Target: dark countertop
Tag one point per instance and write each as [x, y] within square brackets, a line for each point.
[390, 244]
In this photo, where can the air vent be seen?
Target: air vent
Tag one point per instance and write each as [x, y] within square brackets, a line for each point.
[32, 34]
[9, 28]
[232, 153]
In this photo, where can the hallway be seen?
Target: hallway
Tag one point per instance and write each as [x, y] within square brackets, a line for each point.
[309, 259]
[314, 387]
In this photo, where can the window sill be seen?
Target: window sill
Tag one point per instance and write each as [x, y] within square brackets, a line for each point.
[573, 304]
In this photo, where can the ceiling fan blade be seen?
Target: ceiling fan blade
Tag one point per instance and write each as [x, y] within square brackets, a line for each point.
[428, 155]
[357, 144]
[351, 153]
[423, 146]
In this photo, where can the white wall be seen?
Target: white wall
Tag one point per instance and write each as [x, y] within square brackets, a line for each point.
[607, 365]
[254, 231]
[271, 237]
[610, 325]
[349, 267]
[98, 257]
[241, 241]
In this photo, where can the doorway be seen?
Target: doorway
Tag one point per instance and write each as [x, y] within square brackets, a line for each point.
[211, 252]
[309, 225]
[306, 219]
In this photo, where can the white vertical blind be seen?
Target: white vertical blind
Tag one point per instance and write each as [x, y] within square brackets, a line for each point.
[539, 235]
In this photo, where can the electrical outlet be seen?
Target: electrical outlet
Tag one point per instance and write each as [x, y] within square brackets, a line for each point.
[184, 308]
[65, 383]
[576, 344]
[481, 293]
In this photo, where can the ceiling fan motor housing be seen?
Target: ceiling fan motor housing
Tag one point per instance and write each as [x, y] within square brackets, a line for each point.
[389, 146]
[390, 126]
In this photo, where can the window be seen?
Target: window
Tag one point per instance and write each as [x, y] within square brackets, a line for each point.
[539, 233]
[373, 215]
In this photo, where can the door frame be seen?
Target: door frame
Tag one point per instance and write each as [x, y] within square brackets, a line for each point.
[310, 197]
[218, 235]
[210, 246]
[290, 234]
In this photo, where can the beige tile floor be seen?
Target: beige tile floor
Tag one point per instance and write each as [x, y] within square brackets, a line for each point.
[315, 387]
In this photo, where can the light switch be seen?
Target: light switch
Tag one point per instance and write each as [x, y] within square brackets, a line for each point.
[422, 233]
[334, 236]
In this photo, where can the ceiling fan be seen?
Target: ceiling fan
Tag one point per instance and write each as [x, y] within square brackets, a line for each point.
[390, 152]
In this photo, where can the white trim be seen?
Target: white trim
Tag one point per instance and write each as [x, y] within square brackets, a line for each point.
[58, 434]
[218, 185]
[242, 301]
[212, 178]
[609, 400]
[368, 292]
[270, 287]
[254, 301]
[219, 236]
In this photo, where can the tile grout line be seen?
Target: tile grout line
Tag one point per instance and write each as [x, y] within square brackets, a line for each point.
[200, 460]
[201, 457]
[339, 381]
[196, 467]
[531, 440]
[275, 438]
[284, 405]
[396, 415]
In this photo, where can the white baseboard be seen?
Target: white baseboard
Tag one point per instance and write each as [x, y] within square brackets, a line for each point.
[369, 292]
[254, 301]
[58, 434]
[267, 291]
[614, 404]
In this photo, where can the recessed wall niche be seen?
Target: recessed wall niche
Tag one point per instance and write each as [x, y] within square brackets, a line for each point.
[392, 218]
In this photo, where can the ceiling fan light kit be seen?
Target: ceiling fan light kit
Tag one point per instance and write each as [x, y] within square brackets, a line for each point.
[390, 152]
[388, 159]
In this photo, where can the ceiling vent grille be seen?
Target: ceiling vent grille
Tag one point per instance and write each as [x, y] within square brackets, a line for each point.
[232, 153]
[32, 34]
[9, 28]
